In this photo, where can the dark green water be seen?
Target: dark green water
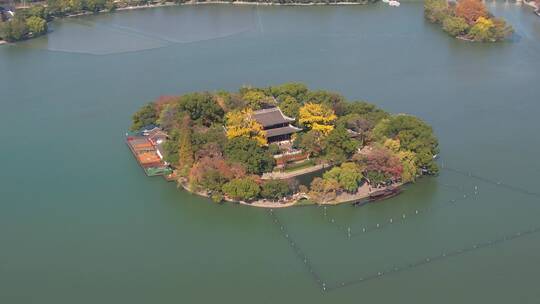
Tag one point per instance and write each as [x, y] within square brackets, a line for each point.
[80, 223]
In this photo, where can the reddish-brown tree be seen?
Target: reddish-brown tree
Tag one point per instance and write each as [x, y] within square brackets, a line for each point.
[383, 160]
[471, 10]
[164, 100]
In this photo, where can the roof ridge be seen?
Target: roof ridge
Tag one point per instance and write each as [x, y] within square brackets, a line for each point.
[266, 110]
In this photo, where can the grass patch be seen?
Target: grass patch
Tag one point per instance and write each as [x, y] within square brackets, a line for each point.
[306, 164]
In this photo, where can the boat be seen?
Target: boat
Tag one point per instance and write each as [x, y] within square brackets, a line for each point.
[394, 3]
[384, 194]
[378, 195]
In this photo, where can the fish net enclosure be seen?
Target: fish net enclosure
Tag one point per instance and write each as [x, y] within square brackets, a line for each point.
[391, 237]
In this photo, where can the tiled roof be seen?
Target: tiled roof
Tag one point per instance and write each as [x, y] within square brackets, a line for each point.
[270, 117]
[281, 131]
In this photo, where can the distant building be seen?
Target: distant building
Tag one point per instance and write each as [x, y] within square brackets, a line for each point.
[276, 125]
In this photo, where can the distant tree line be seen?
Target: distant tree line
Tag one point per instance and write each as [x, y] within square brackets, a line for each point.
[468, 19]
[217, 147]
[32, 22]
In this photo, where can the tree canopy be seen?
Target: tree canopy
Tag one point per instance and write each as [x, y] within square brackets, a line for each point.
[146, 115]
[250, 154]
[275, 189]
[414, 135]
[317, 117]
[201, 107]
[348, 175]
[244, 189]
[242, 124]
[339, 146]
[468, 19]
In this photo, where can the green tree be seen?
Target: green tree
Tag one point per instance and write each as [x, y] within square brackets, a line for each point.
[36, 25]
[348, 175]
[146, 115]
[275, 189]
[309, 142]
[38, 11]
[339, 146]
[72, 6]
[323, 190]
[331, 100]
[55, 7]
[376, 177]
[455, 26]
[245, 189]
[213, 180]
[247, 152]
[171, 146]
[210, 136]
[202, 108]
[255, 99]
[296, 90]
[185, 152]
[366, 111]
[95, 5]
[290, 106]
[414, 135]
[436, 10]
[14, 30]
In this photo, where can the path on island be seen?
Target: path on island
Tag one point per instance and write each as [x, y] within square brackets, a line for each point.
[295, 173]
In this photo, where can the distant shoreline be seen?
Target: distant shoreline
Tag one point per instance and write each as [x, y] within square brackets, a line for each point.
[169, 4]
[240, 3]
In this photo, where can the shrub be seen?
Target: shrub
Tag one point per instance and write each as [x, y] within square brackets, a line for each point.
[244, 189]
[455, 26]
[275, 189]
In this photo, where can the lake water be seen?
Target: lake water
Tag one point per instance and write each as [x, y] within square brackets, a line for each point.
[80, 223]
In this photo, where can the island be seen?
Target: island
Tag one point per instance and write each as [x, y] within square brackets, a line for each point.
[253, 146]
[467, 20]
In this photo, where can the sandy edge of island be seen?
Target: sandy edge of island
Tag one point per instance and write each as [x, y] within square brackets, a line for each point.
[362, 193]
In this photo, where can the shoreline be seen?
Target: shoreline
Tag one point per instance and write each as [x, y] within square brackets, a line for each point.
[363, 192]
[240, 3]
[170, 4]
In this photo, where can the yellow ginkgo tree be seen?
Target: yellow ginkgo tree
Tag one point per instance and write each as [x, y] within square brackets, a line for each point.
[242, 124]
[317, 117]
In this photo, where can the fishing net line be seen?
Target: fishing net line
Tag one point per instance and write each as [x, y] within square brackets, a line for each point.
[140, 30]
[327, 275]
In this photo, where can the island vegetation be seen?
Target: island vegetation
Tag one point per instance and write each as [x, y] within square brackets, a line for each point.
[467, 19]
[224, 144]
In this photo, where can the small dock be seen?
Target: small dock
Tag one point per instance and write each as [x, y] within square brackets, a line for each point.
[148, 156]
